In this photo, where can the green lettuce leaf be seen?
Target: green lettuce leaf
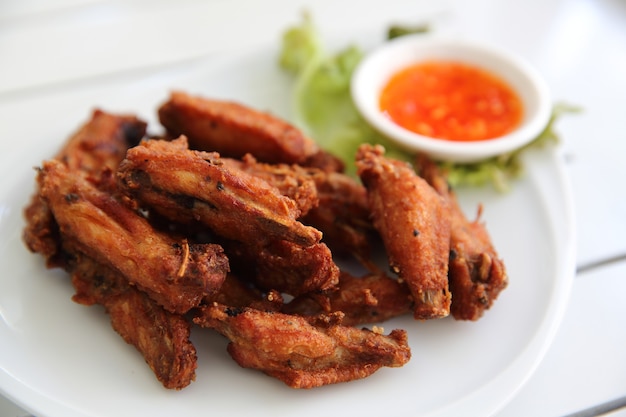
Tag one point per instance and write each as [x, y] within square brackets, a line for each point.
[323, 105]
[301, 46]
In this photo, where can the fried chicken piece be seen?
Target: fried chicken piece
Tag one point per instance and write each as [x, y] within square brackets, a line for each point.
[285, 266]
[325, 161]
[476, 273]
[373, 298]
[175, 274]
[304, 352]
[99, 145]
[235, 292]
[160, 336]
[234, 130]
[292, 181]
[342, 215]
[414, 223]
[192, 186]
[189, 186]
[331, 202]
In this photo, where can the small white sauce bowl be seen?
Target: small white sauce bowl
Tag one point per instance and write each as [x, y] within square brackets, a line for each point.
[376, 69]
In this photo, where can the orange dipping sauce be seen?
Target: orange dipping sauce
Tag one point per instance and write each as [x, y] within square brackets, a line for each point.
[453, 101]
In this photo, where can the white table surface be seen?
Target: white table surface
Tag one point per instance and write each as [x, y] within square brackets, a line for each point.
[50, 47]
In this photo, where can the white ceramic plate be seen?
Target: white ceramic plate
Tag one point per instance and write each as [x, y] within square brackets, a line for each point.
[60, 359]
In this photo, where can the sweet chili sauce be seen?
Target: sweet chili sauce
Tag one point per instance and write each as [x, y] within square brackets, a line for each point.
[453, 101]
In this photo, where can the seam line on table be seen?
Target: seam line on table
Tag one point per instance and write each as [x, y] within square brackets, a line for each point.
[601, 409]
[590, 266]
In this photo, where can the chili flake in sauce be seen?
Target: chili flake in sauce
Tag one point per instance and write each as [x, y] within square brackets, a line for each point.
[450, 100]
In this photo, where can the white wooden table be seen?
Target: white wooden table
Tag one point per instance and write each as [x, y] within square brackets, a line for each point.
[48, 47]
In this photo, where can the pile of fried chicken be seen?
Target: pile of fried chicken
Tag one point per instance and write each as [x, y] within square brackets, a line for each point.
[234, 220]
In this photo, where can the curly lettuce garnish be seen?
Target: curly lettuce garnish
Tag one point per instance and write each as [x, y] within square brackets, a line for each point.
[324, 109]
[301, 47]
[323, 105]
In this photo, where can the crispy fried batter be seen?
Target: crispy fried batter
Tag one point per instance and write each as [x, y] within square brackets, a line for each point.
[476, 273]
[174, 273]
[413, 221]
[235, 292]
[99, 145]
[330, 201]
[187, 186]
[292, 181]
[161, 337]
[324, 161]
[238, 293]
[234, 130]
[373, 298]
[304, 352]
[285, 266]
[342, 215]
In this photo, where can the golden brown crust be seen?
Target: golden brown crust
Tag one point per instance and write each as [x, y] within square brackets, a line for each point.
[175, 274]
[342, 215]
[284, 266]
[292, 181]
[99, 145]
[93, 152]
[303, 352]
[161, 337]
[414, 224]
[237, 293]
[332, 202]
[234, 130]
[324, 161]
[372, 298]
[186, 186]
[257, 224]
[477, 274]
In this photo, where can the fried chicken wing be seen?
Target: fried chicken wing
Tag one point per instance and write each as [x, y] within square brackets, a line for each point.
[304, 352]
[160, 336]
[292, 181]
[476, 273]
[175, 274]
[324, 161]
[188, 186]
[373, 298]
[99, 145]
[234, 130]
[342, 215]
[413, 221]
[330, 201]
[285, 266]
[238, 293]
